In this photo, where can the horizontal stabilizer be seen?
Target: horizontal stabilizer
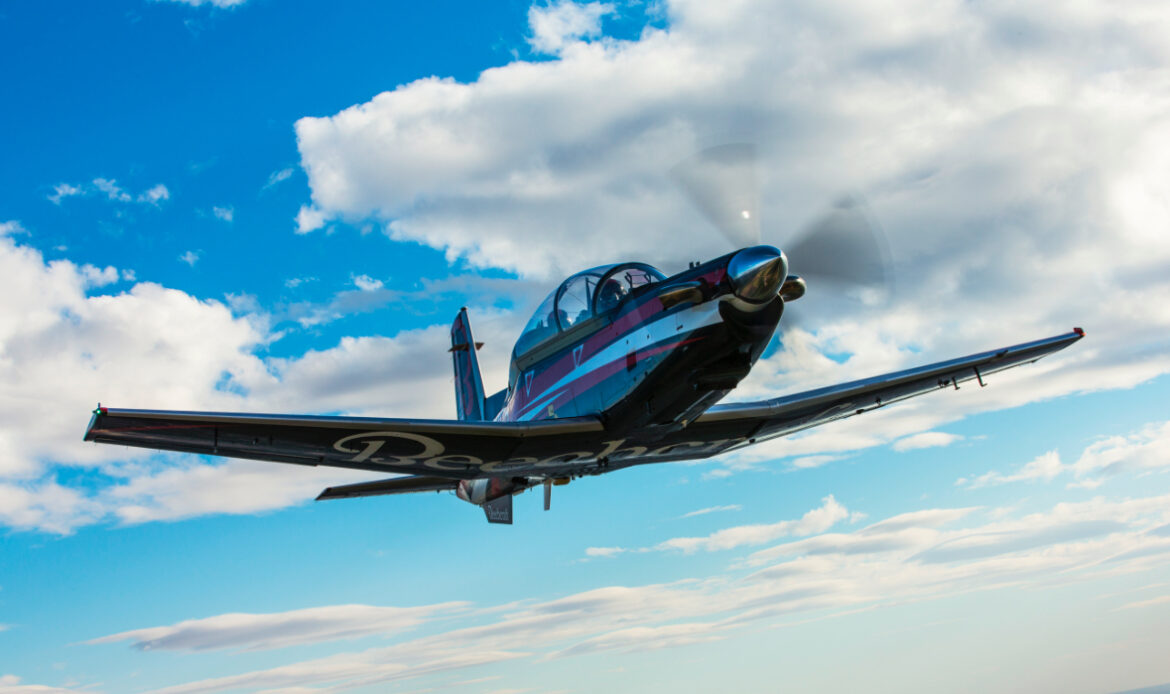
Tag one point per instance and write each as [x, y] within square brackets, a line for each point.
[499, 510]
[394, 485]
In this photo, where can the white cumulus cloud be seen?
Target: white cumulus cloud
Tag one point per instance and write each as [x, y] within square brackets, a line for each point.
[555, 25]
[927, 439]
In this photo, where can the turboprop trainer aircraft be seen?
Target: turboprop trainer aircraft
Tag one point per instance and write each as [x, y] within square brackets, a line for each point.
[621, 365]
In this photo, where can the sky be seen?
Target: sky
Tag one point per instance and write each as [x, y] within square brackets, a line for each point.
[280, 205]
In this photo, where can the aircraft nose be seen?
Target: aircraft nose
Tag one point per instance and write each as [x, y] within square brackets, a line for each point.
[756, 273]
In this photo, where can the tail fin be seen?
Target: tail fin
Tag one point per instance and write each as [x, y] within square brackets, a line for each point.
[469, 396]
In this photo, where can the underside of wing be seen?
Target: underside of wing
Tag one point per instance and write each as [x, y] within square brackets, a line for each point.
[396, 485]
[451, 450]
[754, 421]
[431, 451]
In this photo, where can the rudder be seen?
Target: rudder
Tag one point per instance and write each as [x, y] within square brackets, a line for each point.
[469, 395]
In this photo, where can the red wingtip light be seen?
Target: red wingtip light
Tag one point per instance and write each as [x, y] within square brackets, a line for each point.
[1079, 331]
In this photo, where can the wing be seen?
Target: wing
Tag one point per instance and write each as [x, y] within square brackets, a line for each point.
[454, 450]
[436, 448]
[397, 485]
[754, 421]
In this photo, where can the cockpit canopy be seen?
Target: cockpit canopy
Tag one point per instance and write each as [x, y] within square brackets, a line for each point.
[584, 295]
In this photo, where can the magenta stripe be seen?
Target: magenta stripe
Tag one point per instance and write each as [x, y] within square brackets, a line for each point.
[633, 317]
[590, 379]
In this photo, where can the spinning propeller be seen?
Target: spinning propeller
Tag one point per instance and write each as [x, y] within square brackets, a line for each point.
[843, 247]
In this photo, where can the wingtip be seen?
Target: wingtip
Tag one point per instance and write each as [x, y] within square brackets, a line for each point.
[1079, 331]
[98, 411]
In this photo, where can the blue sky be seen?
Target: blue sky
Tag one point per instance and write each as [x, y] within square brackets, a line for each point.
[278, 206]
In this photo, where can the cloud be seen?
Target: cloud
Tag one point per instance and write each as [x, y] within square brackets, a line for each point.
[254, 632]
[815, 521]
[294, 282]
[309, 219]
[604, 552]
[560, 23]
[1045, 467]
[47, 506]
[110, 189]
[154, 195]
[62, 191]
[220, 4]
[66, 347]
[10, 227]
[713, 509]
[174, 488]
[427, 296]
[1142, 451]
[10, 684]
[190, 257]
[277, 177]
[927, 439]
[824, 575]
[1142, 604]
[366, 283]
[225, 214]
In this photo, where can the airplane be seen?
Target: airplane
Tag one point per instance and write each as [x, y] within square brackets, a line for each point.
[621, 365]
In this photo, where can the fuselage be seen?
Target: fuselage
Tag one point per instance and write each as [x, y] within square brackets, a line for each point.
[655, 359]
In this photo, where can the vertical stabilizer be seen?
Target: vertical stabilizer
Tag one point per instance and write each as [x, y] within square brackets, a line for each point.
[469, 396]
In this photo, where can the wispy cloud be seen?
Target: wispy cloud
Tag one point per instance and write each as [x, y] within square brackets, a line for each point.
[62, 191]
[815, 521]
[11, 684]
[12, 226]
[190, 257]
[1142, 604]
[221, 4]
[110, 190]
[277, 177]
[1145, 450]
[1045, 467]
[155, 194]
[294, 282]
[712, 509]
[914, 556]
[255, 632]
[366, 283]
[927, 439]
